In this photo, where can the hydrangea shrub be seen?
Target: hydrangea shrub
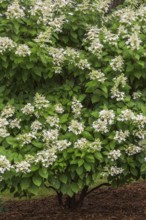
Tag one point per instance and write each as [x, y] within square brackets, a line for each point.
[72, 95]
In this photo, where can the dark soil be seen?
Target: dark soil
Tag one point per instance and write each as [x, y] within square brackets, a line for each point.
[125, 203]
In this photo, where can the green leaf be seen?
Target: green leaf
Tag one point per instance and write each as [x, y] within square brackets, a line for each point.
[43, 172]
[74, 187]
[37, 180]
[87, 166]
[63, 178]
[25, 183]
[79, 170]
[88, 136]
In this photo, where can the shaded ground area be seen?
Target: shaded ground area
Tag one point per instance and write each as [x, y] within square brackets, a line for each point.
[124, 203]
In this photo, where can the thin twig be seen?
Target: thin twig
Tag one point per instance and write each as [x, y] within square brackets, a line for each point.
[97, 187]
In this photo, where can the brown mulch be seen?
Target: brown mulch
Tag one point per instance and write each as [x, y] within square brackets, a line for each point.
[125, 203]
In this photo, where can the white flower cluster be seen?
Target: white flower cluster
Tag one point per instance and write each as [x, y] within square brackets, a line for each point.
[23, 167]
[46, 157]
[133, 41]
[121, 136]
[36, 126]
[15, 11]
[57, 23]
[136, 95]
[95, 145]
[106, 117]
[117, 63]
[109, 37]
[8, 111]
[76, 127]
[3, 131]
[58, 55]
[97, 75]
[83, 64]
[81, 143]
[141, 134]
[28, 109]
[132, 150]
[53, 121]
[15, 123]
[114, 170]
[44, 37]
[40, 101]
[4, 164]
[76, 107]
[26, 138]
[140, 121]
[59, 108]
[63, 144]
[119, 81]
[50, 135]
[6, 44]
[23, 50]
[114, 155]
[126, 115]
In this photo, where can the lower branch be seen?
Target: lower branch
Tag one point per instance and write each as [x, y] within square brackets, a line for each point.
[97, 187]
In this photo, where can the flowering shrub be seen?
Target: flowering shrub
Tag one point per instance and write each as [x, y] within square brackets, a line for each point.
[72, 95]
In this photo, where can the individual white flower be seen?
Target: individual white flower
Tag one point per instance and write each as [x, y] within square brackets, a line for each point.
[121, 136]
[3, 122]
[114, 155]
[5, 164]
[62, 144]
[76, 107]
[76, 127]
[28, 109]
[53, 121]
[50, 135]
[15, 123]
[23, 167]
[59, 108]
[46, 157]
[15, 11]
[3, 132]
[26, 138]
[117, 63]
[8, 111]
[23, 50]
[36, 125]
[132, 149]
[97, 75]
[6, 44]
[126, 115]
[40, 101]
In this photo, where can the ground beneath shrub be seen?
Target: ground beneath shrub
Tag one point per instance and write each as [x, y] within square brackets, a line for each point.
[124, 203]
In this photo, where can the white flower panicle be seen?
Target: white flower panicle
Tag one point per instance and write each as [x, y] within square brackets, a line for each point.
[15, 123]
[44, 37]
[8, 111]
[15, 11]
[5, 164]
[97, 75]
[133, 41]
[106, 117]
[76, 107]
[117, 63]
[126, 115]
[116, 94]
[140, 121]
[76, 127]
[114, 170]
[36, 126]
[23, 50]
[58, 55]
[114, 155]
[136, 95]
[81, 143]
[26, 138]
[121, 136]
[28, 109]
[141, 134]
[50, 135]
[133, 149]
[23, 167]
[83, 64]
[59, 108]
[63, 144]
[40, 101]
[6, 44]
[3, 122]
[95, 145]
[4, 133]
[53, 121]
[46, 157]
